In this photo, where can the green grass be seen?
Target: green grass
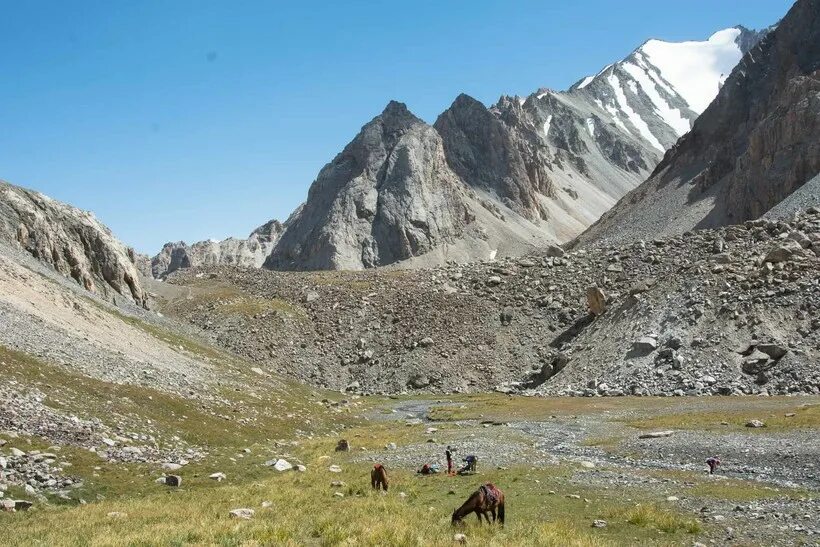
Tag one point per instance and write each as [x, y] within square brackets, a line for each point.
[499, 407]
[806, 416]
[226, 299]
[305, 510]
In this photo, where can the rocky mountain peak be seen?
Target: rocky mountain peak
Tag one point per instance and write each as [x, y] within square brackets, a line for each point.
[388, 196]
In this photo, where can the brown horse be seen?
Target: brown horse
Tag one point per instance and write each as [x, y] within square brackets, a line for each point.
[487, 499]
[378, 477]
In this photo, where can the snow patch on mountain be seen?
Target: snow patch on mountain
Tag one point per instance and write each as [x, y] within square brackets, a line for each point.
[633, 117]
[547, 123]
[672, 116]
[696, 70]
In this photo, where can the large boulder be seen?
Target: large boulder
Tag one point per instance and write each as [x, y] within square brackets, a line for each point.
[596, 300]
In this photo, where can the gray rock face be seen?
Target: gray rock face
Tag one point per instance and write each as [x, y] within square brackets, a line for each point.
[508, 161]
[73, 241]
[244, 253]
[388, 196]
[756, 143]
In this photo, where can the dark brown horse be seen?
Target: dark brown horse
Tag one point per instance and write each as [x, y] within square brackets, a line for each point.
[487, 499]
[378, 477]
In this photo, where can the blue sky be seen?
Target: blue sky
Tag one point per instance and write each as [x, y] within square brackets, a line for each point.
[198, 119]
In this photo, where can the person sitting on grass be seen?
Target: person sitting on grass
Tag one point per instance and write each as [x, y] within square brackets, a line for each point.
[469, 465]
[428, 469]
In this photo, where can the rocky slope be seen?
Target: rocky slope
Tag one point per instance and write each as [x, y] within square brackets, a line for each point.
[758, 142]
[71, 241]
[718, 311]
[244, 253]
[522, 173]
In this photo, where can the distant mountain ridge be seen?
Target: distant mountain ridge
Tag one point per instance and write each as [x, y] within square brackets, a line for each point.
[244, 253]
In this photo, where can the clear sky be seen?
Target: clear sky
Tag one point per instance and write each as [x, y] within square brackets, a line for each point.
[198, 119]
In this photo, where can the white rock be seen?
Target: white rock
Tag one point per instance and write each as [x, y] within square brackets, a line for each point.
[334, 469]
[587, 464]
[279, 464]
[242, 513]
[217, 476]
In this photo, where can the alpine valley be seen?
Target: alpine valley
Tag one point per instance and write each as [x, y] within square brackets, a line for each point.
[591, 291]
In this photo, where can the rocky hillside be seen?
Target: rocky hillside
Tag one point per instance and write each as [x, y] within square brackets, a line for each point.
[758, 142]
[506, 179]
[71, 241]
[732, 310]
[244, 253]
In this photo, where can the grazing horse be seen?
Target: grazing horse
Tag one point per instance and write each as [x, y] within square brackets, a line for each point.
[487, 499]
[378, 477]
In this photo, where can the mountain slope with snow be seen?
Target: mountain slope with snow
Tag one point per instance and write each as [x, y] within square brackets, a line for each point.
[519, 174]
[754, 145]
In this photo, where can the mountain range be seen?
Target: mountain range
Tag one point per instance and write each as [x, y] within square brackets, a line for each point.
[484, 182]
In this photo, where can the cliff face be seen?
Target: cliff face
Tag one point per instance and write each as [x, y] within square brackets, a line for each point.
[244, 253]
[388, 196]
[73, 241]
[758, 142]
[506, 160]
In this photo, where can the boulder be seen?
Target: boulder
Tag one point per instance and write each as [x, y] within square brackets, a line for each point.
[596, 300]
[218, 477]
[172, 480]
[426, 342]
[645, 345]
[775, 351]
[784, 251]
[554, 251]
[279, 464]
[755, 424]
[242, 513]
[656, 434]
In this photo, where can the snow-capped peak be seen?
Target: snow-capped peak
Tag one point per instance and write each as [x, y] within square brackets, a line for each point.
[656, 92]
[695, 69]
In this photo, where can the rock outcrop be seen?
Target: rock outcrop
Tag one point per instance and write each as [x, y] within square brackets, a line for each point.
[758, 142]
[389, 196]
[72, 241]
[243, 253]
